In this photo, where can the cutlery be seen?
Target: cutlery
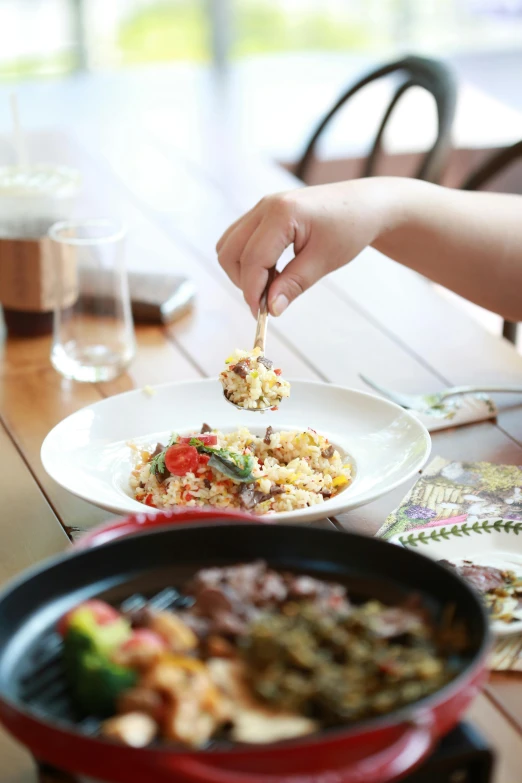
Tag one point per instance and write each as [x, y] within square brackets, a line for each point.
[260, 338]
[434, 403]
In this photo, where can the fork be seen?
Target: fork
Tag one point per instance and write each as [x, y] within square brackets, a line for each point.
[434, 403]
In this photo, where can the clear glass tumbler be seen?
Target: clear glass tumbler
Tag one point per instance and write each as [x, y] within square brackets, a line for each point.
[93, 338]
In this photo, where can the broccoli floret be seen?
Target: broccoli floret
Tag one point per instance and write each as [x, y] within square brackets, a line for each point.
[94, 679]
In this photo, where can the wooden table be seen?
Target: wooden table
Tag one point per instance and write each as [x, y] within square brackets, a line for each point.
[372, 317]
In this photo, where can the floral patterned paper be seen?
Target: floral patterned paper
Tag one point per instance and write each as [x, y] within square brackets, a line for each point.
[458, 492]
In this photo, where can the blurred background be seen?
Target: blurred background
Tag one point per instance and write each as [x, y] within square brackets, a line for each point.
[274, 54]
[42, 38]
[257, 75]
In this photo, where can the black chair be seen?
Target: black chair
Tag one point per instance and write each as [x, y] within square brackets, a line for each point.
[493, 166]
[433, 76]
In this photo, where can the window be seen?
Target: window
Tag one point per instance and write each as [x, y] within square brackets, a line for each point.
[48, 37]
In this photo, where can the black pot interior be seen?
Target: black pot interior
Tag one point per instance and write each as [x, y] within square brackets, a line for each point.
[30, 667]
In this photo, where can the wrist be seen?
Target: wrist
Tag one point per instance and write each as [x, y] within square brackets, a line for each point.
[400, 205]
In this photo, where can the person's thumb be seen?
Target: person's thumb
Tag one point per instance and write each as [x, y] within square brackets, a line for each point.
[298, 275]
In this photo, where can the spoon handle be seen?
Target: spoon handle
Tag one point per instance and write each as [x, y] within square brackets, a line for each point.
[262, 317]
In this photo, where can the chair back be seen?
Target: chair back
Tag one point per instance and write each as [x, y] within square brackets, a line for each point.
[431, 75]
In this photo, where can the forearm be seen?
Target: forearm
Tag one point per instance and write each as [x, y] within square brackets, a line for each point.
[468, 242]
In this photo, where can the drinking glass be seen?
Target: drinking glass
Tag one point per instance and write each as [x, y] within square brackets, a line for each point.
[93, 335]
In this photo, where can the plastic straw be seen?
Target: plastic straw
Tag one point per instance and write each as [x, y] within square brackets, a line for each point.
[18, 136]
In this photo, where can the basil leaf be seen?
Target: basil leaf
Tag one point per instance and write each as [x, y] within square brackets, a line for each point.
[238, 469]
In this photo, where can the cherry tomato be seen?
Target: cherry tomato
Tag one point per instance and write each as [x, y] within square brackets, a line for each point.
[142, 637]
[203, 459]
[181, 459]
[278, 372]
[207, 439]
[103, 614]
[148, 501]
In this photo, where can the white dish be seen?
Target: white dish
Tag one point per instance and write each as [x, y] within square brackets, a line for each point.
[88, 455]
[486, 542]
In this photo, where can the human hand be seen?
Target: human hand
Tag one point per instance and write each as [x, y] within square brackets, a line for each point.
[328, 226]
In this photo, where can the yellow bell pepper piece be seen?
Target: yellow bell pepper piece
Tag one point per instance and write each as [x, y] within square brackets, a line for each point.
[339, 481]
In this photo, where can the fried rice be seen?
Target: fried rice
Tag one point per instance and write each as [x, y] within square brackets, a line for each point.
[251, 381]
[289, 470]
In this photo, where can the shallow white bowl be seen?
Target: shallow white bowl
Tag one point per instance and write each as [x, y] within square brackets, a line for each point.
[88, 455]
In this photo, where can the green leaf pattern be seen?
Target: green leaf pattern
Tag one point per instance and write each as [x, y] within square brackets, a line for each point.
[438, 534]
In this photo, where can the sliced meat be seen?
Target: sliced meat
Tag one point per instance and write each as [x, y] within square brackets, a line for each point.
[328, 452]
[265, 362]
[205, 428]
[207, 483]
[211, 600]
[326, 493]
[241, 369]
[227, 599]
[249, 497]
[482, 578]
[268, 433]
[159, 448]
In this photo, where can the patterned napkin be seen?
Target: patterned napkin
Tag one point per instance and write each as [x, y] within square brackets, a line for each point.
[458, 411]
[462, 493]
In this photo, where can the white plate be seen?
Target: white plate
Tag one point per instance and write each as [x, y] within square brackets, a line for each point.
[87, 453]
[488, 542]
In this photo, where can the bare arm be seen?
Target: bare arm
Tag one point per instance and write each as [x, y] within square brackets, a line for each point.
[468, 242]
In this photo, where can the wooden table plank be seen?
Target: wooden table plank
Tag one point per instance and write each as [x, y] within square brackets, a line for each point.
[504, 738]
[17, 764]
[30, 532]
[505, 690]
[31, 403]
[30, 529]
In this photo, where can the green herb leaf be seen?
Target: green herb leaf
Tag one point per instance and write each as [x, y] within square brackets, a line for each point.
[158, 467]
[235, 469]
[157, 463]
[238, 467]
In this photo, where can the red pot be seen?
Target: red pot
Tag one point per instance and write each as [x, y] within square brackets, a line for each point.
[376, 751]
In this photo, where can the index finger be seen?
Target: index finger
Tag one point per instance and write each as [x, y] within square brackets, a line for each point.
[262, 251]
